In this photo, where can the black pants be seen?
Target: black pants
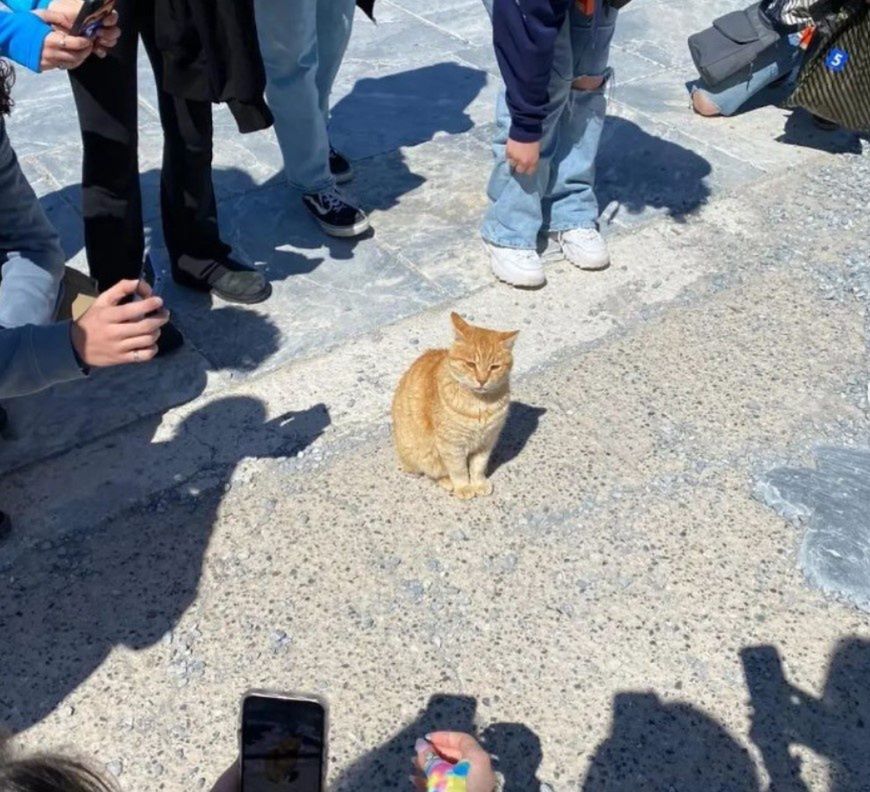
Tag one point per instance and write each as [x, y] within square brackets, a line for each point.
[106, 95]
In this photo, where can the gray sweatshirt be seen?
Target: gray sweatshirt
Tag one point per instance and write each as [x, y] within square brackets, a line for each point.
[35, 357]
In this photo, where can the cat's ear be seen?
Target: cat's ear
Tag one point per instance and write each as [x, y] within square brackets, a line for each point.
[459, 325]
[508, 339]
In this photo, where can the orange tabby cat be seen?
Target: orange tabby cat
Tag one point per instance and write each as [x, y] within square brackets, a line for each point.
[451, 406]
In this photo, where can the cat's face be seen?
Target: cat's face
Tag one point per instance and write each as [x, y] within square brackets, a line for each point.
[480, 359]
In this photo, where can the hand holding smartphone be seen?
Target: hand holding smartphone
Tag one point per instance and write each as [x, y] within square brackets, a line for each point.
[283, 742]
[90, 18]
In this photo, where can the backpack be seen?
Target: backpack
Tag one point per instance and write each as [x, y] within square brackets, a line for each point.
[834, 82]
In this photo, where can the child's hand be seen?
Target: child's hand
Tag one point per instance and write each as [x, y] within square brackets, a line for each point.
[455, 747]
[523, 157]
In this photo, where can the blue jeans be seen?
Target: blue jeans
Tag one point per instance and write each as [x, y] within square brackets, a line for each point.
[303, 43]
[560, 195]
[31, 258]
[777, 61]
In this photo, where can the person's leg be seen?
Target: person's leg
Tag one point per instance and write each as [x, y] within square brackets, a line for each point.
[727, 98]
[105, 91]
[187, 199]
[299, 77]
[515, 215]
[571, 200]
[31, 258]
[334, 24]
[288, 36]
[188, 206]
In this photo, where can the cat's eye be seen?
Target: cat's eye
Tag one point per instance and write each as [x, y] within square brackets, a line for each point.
[495, 367]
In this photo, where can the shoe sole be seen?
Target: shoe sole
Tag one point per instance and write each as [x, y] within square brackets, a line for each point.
[344, 232]
[259, 297]
[522, 281]
[595, 266]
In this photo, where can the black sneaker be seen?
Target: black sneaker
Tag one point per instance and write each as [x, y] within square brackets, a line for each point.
[335, 215]
[340, 166]
[227, 278]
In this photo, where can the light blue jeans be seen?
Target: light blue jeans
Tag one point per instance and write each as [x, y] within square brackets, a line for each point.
[303, 43]
[560, 195]
[777, 61]
[31, 258]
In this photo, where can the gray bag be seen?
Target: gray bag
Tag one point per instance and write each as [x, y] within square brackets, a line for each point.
[731, 46]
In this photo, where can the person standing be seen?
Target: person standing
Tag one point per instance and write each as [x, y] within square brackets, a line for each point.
[106, 97]
[303, 44]
[37, 352]
[553, 56]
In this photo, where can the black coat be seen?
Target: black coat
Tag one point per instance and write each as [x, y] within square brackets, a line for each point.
[368, 6]
[211, 54]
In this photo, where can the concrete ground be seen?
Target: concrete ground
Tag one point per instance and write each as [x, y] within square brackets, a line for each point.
[624, 613]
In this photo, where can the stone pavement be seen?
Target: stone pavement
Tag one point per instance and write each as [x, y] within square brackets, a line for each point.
[413, 106]
[622, 614]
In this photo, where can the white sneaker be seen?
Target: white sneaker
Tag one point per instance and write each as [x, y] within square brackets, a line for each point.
[516, 267]
[584, 248]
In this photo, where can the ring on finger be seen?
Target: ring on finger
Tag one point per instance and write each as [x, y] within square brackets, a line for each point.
[63, 41]
[137, 355]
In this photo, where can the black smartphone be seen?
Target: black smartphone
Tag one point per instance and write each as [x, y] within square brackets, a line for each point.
[283, 742]
[90, 18]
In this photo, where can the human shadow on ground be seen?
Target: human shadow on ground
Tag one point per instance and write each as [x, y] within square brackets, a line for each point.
[72, 601]
[517, 755]
[50, 421]
[836, 725]
[642, 171]
[801, 130]
[266, 223]
[522, 422]
[388, 766]
[661, 746]
[382, 114]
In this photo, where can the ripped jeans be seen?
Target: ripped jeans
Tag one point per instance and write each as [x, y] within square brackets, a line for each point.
[560, 195]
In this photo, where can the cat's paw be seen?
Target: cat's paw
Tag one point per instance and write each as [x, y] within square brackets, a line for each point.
[483, 488]
[445, 483]
[465, 491]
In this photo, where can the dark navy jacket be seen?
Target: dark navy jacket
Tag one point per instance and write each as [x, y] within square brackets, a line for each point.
[524, 35]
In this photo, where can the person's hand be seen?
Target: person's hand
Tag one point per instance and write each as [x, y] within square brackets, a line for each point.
[523, 157]
[62, 14]
[61, 50]
[454, 747]
[110, 333]
[108, 35]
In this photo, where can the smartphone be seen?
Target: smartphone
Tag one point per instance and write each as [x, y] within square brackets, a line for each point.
[283, 741]
[90, 18]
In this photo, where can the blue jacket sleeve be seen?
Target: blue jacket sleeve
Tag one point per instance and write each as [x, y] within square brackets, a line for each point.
[34, 357]
[25, 5]
[524, 35]
[21, 38]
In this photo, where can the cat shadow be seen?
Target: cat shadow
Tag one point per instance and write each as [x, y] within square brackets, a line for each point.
[522, 422]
